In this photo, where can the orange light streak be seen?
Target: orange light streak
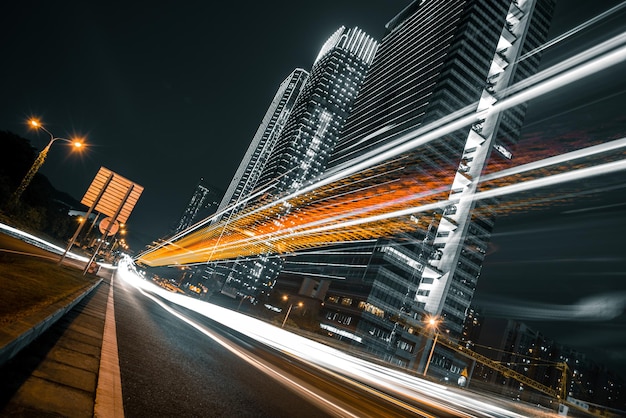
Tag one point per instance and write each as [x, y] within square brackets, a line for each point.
[323, 216]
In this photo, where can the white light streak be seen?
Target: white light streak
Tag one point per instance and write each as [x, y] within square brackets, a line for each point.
[574, 30]
[603, 307]
[338, 364]
[38, 242]
[578, 67]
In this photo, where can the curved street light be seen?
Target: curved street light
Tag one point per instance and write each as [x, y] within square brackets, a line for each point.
[299, 305]
[77, 143]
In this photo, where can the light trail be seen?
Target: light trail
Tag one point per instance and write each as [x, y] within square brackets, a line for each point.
[594, 57]
[393, 206]
[208, 220]
[574, 30]
[38, 242]
[614, 145]
[393, 385]
[276, 239]
[602, 307]
[360, 202]
[514, 188]
[609, 53]
[254, 361]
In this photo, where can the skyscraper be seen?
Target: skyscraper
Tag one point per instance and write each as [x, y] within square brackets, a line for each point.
[246, 178]
[264, 140]
[202, 204]
[309, 136]
[320, 113]
[438, 57]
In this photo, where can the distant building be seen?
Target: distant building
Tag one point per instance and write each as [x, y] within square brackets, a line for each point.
[203, 203]
[308, 138]
[437, 57]
[539, 358]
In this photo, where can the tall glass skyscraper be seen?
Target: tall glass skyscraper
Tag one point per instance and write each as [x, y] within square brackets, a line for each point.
[438, 57]
[308, 138]
[246, 178]
[264, 141]
[202, 204]
[321, 110]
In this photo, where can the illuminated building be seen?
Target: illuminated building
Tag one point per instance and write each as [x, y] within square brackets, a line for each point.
[247, 175]
[320, 112]
[438, 57]
[541, 359]
[308, 137]
[264, 140]
[202, 204]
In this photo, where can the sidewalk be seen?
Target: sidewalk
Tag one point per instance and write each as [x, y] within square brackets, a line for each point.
[57, 373]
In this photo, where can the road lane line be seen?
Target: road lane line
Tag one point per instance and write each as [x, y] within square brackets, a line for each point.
[288, 381]
[109, 401]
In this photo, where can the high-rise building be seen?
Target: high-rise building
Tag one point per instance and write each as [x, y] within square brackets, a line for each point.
[438, 57]
[264, 141]
[203, 203]
[321, 110]
[308, 138]
[246, 178]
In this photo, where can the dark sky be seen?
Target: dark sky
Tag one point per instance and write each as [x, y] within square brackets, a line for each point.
[167, 94]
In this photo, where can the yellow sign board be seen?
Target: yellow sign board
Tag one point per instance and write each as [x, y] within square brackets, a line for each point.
[116, 188]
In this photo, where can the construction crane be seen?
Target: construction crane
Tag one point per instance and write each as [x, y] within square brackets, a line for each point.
[560, 394]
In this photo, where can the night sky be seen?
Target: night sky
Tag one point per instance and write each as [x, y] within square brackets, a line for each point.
[168, 94]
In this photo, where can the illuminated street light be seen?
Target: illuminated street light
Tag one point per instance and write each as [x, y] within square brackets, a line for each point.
[241, 301]
[77, 143]
[289, 311]
[433, 322]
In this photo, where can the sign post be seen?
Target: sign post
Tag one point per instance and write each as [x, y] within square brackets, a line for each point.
[109, 226]
[80, 227]
[111, 195]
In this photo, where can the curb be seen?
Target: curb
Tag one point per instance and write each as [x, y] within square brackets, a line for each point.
[15, 346]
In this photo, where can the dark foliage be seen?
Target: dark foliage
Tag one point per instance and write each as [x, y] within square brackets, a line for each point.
[42, 207]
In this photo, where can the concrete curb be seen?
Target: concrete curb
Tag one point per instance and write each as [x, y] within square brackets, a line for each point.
[8, 351]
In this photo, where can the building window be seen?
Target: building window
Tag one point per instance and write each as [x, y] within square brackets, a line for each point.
[403, 345]
[374, 310]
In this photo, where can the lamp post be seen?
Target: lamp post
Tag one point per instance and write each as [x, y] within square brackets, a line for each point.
[77, 143]
[432, 322]
[241, 301]
[288, 311]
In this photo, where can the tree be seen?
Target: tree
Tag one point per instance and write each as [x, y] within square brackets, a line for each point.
[42, 207]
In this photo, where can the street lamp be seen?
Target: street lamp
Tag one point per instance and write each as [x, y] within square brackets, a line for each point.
[241, 301]
[288, 311]
[77, 143]
[432, 322]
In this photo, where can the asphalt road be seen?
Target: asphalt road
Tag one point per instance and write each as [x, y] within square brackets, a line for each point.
[176, 362]
[169, 368]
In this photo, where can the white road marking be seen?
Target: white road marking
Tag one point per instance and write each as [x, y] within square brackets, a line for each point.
[109, 401]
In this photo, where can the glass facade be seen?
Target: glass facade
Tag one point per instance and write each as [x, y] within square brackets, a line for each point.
[439, 57]
[305, 142]
[247, 175]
